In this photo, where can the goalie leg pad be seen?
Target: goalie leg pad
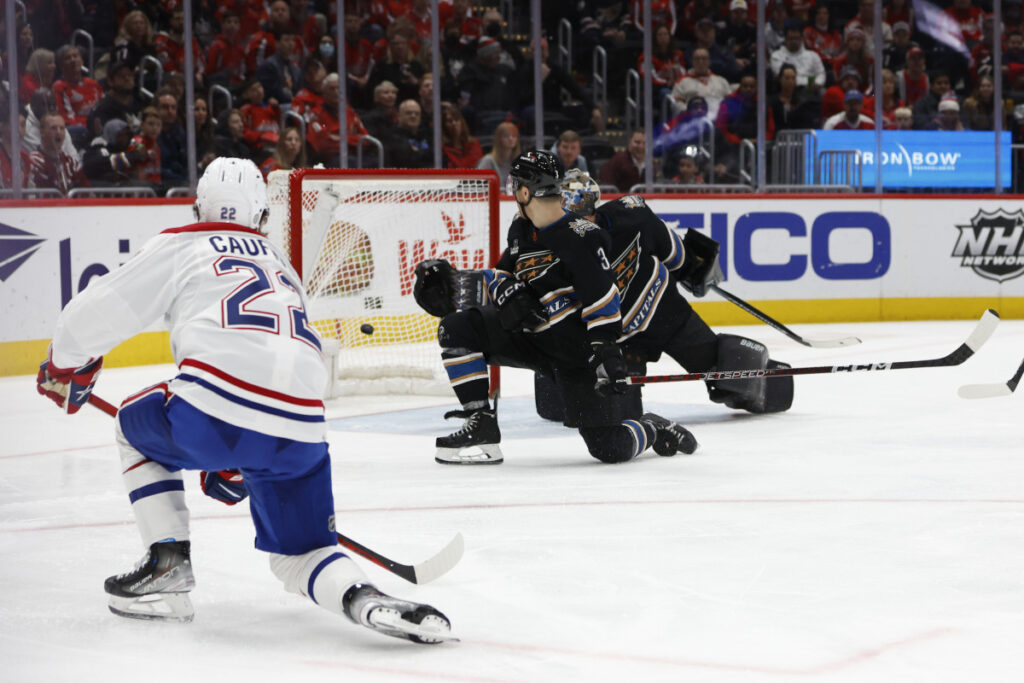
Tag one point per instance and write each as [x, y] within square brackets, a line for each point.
[740, 353]
[778, 393]
[548, 398]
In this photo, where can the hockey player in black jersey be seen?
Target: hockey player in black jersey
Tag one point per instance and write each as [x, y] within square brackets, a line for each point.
[556, 310]
[648, 258]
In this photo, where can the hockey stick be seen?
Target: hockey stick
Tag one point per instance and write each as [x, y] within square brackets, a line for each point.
[816, 343]
[423, 572]
[984, 329]
[994, 389]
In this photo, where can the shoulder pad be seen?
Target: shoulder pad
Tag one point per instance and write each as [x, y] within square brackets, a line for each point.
[632, 201]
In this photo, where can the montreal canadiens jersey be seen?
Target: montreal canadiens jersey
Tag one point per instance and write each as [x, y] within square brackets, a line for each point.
[566, 267]
[236, 311]
[643, 253]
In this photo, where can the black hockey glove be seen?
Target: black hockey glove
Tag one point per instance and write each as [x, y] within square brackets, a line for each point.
[433, 287]
[518, 308]
[700, 267]
[609, 366]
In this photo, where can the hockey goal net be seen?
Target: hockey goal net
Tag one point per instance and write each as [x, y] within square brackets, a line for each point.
[355, 238]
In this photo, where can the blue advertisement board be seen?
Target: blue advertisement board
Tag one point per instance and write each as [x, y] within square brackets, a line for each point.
[926, 158]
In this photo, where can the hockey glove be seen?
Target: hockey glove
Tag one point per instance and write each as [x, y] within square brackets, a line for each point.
[69, 389]
[518, 308]
[433, 287]
[609, 366]
[700, 267]
[226, 486]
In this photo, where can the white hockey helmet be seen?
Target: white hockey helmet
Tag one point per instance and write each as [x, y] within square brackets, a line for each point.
[580, 193]
[232, 191]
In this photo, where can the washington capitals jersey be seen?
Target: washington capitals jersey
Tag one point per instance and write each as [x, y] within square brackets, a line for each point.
[643, 253]
[566, 266]
[236, 312]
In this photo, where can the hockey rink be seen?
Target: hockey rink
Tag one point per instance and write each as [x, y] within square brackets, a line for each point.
[875, 532]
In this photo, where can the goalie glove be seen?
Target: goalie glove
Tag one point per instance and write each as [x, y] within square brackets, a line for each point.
[609, 366]
[518, 308]
[700, 267]
[227, 486]
[433, 288]
[69, 389]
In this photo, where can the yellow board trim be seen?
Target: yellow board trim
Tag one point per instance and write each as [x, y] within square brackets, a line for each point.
[23, 357]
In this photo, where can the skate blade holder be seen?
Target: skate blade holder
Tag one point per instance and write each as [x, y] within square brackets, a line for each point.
[487, 454]
[153, 607]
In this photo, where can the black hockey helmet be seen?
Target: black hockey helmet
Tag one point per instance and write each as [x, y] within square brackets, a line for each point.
[539, 171]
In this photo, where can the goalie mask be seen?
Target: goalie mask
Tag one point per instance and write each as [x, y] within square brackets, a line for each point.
[580, 194]
[232, 191]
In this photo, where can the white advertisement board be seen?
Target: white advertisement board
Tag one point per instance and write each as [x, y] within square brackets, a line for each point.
[809, 258]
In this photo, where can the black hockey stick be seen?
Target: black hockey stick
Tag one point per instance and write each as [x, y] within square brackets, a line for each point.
[986, 326]
[816, 343]
[994, 389]
[423, 572]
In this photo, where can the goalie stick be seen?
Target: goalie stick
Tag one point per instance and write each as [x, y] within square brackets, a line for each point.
[816, 343]
[992, 390]
[433, 567]
[984, 329]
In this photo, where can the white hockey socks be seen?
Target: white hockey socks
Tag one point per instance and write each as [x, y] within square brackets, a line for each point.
[157, 495]
[323, 575]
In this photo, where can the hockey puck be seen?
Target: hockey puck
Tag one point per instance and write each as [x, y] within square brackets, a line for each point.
[366, 328]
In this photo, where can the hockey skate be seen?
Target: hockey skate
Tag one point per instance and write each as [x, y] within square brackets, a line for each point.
[157, 588]
[480, 431]
[368, 607]
[670, 437]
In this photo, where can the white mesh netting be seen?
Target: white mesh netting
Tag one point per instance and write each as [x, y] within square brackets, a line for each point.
[362, 238]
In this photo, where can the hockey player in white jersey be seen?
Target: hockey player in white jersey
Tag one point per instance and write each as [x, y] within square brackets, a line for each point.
[248, 397]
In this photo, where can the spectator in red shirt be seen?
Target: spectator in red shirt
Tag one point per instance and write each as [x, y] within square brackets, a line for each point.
[51, 166]
[262, 121]
[39, 73]
[226, 58]
[76, 94]
[663, 13]
[890, 101]
[667, 61]
[247, 11]
[912, 82]
[822, 38]
[851, 118]
[310, 97]
[458, 146]
[832, 102]
[149, 171]
[324, 130]
[358, 60]
[856, 55]
[290, 153]
[170, 48]
[626, 168]
[263, 43]
[968, 17]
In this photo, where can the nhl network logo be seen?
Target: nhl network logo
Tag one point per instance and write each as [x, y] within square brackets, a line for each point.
[992, 245]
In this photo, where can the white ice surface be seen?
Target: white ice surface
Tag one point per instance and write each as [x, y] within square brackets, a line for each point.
[875, 532]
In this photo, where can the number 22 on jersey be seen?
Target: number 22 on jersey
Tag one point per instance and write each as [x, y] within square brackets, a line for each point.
[238, 312]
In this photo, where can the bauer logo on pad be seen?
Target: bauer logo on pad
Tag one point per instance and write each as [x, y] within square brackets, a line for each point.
[992, 245]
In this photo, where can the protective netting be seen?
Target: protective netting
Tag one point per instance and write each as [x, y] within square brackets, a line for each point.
[362, 238]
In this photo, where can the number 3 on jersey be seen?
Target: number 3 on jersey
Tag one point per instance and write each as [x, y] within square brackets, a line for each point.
[235, 311]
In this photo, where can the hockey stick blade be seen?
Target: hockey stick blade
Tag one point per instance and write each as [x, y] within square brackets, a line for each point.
[992, 390]
[424, 572]
[981, 333]
[771, 322]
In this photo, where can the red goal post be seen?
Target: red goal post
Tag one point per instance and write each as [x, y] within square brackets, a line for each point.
[354, 236]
